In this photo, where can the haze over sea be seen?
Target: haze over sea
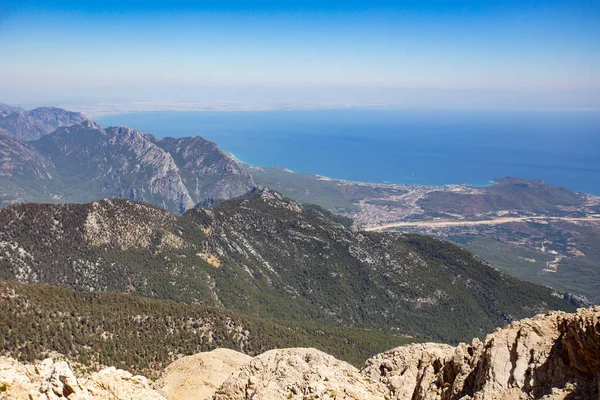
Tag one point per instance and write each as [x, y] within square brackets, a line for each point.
[393, 145]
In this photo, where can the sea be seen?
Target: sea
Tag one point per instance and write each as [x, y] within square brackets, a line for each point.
[399, 145]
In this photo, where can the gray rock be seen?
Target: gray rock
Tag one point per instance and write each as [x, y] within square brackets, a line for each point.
[31, 125]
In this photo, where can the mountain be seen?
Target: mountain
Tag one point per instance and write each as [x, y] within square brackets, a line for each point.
[33, 124]
[266, 255]
[85, 162]
[24, 172]
[534, 231]
[509, 193]
[117, 162]
[207, 172]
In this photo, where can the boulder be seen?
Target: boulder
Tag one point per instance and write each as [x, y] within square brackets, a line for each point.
[299, 373]
[197, 377]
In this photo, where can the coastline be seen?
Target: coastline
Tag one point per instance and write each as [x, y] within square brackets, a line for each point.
[389, 146]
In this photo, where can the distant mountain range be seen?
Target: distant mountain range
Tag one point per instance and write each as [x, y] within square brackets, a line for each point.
[33, 124]
[83, 162]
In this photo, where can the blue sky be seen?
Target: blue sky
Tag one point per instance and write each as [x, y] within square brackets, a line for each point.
[497, 53]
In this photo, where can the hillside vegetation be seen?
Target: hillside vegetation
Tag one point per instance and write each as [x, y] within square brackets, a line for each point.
[144, 335]
[268, 256]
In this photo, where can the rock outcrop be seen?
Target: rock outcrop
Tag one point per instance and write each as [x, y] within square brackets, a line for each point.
[52, 380]
[407, 371]
[33, 124]
[299, 374]
[551, 356]
[199, 376]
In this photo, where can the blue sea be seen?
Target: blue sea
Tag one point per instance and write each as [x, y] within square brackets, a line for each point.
[425, 147]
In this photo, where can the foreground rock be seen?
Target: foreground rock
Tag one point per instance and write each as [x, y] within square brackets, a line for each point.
[199, 376]
[551, 356]
[408, 371]
[299, 374]
[49, 380]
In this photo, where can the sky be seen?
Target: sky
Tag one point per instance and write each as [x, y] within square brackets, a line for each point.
[543, 54]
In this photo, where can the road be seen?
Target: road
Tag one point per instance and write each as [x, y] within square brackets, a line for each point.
[494, 221]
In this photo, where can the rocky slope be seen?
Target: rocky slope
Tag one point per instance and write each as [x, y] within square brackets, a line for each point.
[266, 255]
[298, 373]
[551, 356]
[85, 162]
[18, 160]
[33, 124]
[208, 173]
[24, 172]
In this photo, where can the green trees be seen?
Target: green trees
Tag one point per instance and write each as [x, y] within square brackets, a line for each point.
[144, 335]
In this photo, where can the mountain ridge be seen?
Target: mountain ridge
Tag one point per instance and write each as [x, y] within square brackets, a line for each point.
[86, 162]
[265, 255]
[33, 124]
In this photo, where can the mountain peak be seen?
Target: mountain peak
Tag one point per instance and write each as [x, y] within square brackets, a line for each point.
[89, 124]
[276, 199]
[123, 130]
[93, 163]
[33, 124]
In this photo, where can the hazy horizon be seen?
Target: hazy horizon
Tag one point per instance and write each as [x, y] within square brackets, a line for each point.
[530, 54]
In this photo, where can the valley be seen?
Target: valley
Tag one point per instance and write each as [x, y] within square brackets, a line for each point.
[533, 231]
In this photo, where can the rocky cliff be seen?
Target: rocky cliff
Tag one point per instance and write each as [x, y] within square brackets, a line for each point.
[54, 379]
[85, 162]
[200, 375]
[208, 173]
[551, 356]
